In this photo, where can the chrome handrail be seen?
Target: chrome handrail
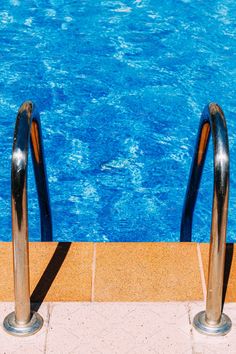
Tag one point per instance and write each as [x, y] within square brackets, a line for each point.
[27, 129]
[212, 321]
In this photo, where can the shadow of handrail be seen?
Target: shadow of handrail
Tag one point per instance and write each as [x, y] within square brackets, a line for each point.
[49, 275]
[228, 263]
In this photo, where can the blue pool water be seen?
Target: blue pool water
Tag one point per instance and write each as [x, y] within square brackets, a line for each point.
[120, 87]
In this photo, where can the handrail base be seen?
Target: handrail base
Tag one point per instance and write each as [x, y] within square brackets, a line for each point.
[220, 329]
[32, 327]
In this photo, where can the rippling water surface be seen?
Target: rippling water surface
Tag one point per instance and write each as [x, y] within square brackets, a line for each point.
[120, 87]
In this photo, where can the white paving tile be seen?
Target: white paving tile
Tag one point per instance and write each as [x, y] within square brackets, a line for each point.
[119, 328]
[34, 344]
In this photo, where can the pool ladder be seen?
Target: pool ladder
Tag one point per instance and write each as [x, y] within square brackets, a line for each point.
[212, 321]
[27, 129]
[23, 322]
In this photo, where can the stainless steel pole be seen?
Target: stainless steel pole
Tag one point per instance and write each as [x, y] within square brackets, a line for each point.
[22, 322]
[212, 321]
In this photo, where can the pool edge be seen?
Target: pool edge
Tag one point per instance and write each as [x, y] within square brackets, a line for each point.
[110, 272]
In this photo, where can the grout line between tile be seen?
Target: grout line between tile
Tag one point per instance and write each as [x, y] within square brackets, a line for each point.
[190, 326]
[93, 272]
[203, 280]
[47, 328]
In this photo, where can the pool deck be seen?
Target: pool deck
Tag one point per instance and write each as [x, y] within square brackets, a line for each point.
[119, 328]
[117, 298]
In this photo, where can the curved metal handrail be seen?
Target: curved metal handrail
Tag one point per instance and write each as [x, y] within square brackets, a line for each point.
[27, 129]
[211, 321]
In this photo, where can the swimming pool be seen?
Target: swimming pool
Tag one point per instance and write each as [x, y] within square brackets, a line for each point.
[120, 87]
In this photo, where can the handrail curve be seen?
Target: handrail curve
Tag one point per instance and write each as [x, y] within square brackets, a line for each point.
[212, 321]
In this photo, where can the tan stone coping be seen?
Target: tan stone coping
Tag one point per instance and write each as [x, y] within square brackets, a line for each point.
[74, 271]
